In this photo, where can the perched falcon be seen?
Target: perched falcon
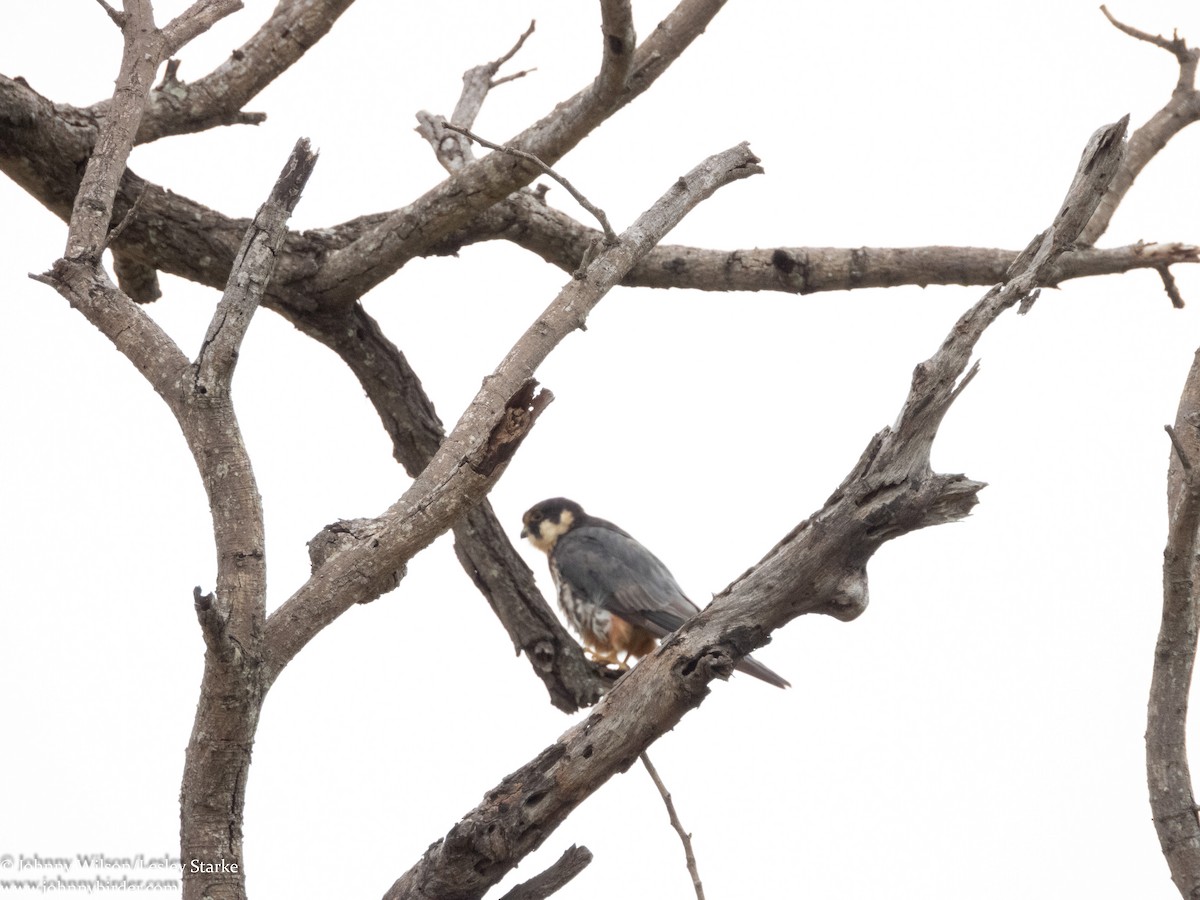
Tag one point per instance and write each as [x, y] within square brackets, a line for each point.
[616, 593]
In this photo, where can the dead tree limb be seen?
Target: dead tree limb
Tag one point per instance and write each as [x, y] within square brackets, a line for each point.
[386, 245]
[1180, 111]
[1168, 773]
[477, 449]
[180, 107]
[820, 567]
[573, 861]
[232, 618]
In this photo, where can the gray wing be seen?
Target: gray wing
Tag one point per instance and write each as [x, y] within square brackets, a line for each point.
[608, 567]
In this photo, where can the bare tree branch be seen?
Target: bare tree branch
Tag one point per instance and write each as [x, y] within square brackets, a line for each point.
[610, 236]
[1177, 446]
[819, 567]
[197, 243]
[452, 151]
[1177, 46]
[384, 247]
[684, 837]
[178, 107]
[467, 464]
[231, 618]
[478, 82]
[1168, 774]
[251, 273]
[1180, 111]
[481, 544]
[561, 240]
[145, 48]
[117, 17]
[573, 861]
[93, 206]
[620, 41]
[194, 21]
[1170, 285]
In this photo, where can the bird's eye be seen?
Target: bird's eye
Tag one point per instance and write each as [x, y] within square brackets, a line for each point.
[535, 517]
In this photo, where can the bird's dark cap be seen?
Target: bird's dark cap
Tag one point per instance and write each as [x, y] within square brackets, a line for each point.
[550, 510]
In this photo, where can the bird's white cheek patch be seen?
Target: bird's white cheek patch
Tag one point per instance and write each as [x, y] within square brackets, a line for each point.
[548, 532]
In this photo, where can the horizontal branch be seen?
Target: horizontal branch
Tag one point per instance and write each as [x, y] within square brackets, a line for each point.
[561, 240]
[197, 243]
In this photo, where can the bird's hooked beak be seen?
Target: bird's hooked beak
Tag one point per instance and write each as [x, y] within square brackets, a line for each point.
[524, 531]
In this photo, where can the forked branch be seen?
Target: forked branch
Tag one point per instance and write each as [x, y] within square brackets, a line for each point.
[1180, 111]
[470, 460]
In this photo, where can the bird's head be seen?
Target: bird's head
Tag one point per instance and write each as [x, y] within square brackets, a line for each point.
[549, 520]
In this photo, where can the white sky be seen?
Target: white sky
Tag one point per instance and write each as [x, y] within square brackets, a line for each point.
[977, 732]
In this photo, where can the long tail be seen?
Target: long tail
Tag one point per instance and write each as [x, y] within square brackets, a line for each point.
[752, 666]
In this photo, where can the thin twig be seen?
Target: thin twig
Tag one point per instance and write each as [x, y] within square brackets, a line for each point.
[1170, 286]
[125, 220]
[116, 15]
[610, 236]
[676, 824]
[496, 82]
[478, 81]
[516, 48]
[1175, 45]
[1179, 450]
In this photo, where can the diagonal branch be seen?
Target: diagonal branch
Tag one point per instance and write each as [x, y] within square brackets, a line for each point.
[1176, 45]
[251, 273]
[145, 48]
[194, 21]
[469, 461]
[609, 235]
[453, 152]
[1180, 111]
[93, 207]
[573, 861]
[178, 107]
[482, 545]
[684, 837]
[819, 567]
